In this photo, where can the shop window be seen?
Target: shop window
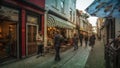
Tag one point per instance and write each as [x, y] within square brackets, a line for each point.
[55, 4]
[8, 32]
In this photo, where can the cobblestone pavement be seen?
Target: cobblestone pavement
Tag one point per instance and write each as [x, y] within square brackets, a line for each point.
[96, 57]
[69, 59]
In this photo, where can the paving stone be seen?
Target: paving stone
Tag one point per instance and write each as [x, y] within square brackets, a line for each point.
[96, 57]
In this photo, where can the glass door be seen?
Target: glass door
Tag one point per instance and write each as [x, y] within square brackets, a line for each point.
[31, 39]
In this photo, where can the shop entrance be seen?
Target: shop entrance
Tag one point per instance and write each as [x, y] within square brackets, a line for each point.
[8, 40]
[9, 18]
[31, 39]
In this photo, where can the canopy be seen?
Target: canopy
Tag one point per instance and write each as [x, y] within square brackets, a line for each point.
[105, 8]
[54, 21]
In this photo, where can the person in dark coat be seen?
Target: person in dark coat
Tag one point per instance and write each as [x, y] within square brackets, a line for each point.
[81, 38]
[57, 43]
[92, 41]
[86, 40]
[75, 41]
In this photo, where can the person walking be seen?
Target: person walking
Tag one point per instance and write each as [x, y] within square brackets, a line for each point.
[86, 40]
[75, 41]
[39, 41]
[81, 38]
[57, 44]
[92, 41]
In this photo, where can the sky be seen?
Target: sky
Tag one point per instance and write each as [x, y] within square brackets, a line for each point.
[82, 5]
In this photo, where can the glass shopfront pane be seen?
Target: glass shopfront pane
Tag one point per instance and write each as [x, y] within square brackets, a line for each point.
[8, 33]
[8, 40]
[32, 33]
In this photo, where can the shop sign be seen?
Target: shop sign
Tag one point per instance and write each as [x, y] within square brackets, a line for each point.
[8, 13]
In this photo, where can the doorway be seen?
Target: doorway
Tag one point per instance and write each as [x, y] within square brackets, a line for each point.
[8, 40]
[31, 47]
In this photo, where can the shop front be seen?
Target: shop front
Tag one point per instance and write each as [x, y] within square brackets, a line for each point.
[9, 31]
[20, 20]
[56, 24]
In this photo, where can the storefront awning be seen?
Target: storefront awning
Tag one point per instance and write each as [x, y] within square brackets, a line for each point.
[105, 8]
[54, 21]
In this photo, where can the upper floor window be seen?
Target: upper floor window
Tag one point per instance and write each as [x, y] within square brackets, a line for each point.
[73, 16]
[55, 4]
[62, 5]
[70, 14]
[74, 4]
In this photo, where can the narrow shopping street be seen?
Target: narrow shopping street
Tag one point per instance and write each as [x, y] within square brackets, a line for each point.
[81, 58]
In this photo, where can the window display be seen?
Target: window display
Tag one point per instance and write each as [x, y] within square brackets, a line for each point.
[8, 32]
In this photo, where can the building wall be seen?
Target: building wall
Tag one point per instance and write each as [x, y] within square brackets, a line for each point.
[117, 27]
[55, 5]
[40, 3]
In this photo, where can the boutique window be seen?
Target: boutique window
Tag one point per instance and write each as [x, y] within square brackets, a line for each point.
[8, 32]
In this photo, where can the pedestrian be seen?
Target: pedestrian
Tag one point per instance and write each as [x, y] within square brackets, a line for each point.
[75, 41]
[39, 41]
[57, 44]
[92, 41]
[81, 38]
[86, 40]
